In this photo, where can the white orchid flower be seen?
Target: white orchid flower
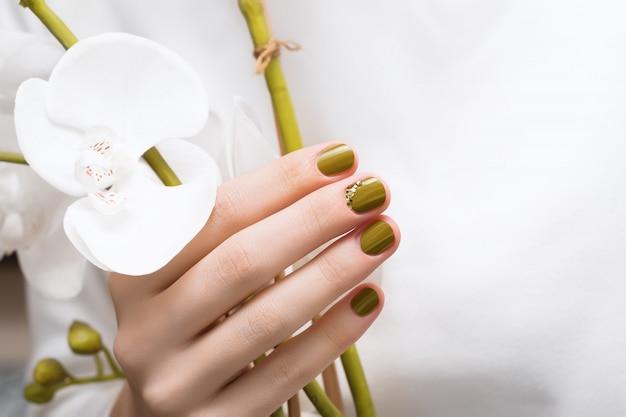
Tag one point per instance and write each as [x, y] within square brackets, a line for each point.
[23, 55]
[108, 100]
[31, 212]
[21, 217]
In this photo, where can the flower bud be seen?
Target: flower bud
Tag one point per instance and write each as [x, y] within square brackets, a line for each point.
[83, 339]
[38, 393]
[49, 372]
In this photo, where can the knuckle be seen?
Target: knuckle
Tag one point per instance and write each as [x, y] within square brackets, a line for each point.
[234, 263]
[128, 349]
[290, 173]
[159, 397]
[316, 217]
[288, 370]
[226, 207]
[263, 325]
[337, 338]
[335, 272]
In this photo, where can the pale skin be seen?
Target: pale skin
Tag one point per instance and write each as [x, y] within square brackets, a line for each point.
[182, 358]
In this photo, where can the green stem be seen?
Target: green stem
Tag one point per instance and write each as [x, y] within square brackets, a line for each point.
[82, 381]
[71, 377]
[60, 31]
[357, 382]
[54, 24]
[322, 403]
[99, 367]
[12, 157]
[286, 121]
[112, 364]
[156, 161]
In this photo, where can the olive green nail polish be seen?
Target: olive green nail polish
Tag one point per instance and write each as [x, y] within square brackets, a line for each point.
[376, 238]
[336, 159]
[365, 301]
[365, 195]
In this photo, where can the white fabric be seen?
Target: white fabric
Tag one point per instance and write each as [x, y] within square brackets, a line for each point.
[50, 320]
[499, 125]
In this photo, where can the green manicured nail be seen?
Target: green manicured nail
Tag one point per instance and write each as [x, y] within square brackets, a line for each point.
[365, 195]
[376, 238]
[336, 159]
[365, 301]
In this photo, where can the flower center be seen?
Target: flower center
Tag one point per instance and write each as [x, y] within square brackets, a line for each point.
[96, 170]
[96, 163]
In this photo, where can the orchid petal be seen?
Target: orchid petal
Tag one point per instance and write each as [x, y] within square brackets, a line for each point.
[22, 56]
[247, 150]
[49, 148]
[157, 223]
[28, 206]
[53, 266]
[136, 87]
[79, 244]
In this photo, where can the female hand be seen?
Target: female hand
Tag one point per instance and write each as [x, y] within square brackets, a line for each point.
[184, 354]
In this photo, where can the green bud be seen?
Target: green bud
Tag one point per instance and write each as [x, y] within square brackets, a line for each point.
[83, 339]
[38, 393]
[49, 372]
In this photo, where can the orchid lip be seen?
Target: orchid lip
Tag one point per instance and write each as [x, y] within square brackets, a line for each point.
[97, 169]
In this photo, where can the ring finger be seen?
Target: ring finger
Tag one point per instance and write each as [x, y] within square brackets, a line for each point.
[278, 311]
[252, 257]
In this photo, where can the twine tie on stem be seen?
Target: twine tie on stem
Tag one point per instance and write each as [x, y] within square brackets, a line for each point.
[271, 49]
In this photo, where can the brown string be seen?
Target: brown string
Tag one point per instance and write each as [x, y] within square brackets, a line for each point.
[271, 49]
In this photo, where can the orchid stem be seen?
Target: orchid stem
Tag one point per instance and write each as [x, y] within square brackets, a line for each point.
[156, 161]
[15, 158]
[99, 366]
[65, 36]
[287, 125]
[112, 364]
[318, 398]
[54, 24]
[357, 382]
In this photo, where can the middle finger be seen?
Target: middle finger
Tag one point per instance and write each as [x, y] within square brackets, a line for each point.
[251, 258]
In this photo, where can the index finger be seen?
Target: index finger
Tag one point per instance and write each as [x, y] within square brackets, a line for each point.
[247, 199]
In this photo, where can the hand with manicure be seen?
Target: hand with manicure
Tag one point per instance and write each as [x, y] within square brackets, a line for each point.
[188, 333]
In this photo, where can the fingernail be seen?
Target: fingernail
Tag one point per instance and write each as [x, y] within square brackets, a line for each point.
[365, 301]
[365, 195]
[376, 238]
[336, 159]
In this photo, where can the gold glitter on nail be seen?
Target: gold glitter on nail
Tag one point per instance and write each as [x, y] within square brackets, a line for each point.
[350, 192]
